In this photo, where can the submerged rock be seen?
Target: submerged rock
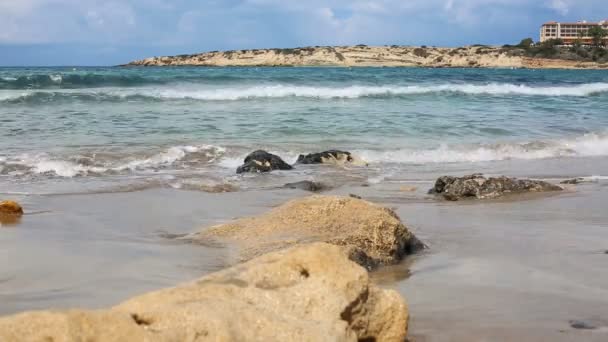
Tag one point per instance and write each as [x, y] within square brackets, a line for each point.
[373, 235]
[306, 186]
[573, 181]
[480, 187]
[308, 293]
[262, 161]
[11, 208]
[578, 324]
[330, 157]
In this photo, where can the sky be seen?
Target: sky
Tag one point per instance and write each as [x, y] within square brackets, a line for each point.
[110, 32]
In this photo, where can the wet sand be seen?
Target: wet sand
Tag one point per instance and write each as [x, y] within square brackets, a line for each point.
[496, 270]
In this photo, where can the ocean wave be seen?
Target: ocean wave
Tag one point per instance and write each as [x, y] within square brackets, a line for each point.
[197, 92]
[588, 145]
[67, 80]
[93, 164]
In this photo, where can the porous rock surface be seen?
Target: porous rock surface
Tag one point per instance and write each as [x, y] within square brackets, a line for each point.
[371, 234]
[480, 187]
[308, 293]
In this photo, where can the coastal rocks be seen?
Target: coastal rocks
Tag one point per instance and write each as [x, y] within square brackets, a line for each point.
[11, 208]
[10, 212]
[330, 157]
[480, 187]
[373, 235]
[309, 293]
[306, 186]
[262, 161]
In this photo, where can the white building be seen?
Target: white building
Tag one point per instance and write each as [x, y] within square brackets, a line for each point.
[570, 32]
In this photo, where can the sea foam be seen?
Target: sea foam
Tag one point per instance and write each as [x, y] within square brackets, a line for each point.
[234, 93]
[588, 145]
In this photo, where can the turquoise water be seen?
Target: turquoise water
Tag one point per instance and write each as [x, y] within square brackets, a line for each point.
[110, 129]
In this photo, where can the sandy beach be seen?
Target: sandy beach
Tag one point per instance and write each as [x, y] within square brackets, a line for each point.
[520, 268]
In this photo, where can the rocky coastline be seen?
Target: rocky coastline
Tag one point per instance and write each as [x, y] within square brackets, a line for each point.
[477, 56]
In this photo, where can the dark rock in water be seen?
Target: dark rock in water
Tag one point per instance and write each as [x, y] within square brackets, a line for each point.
[306, 186]
[262, 161]
[606, 251]
[480, 187]
[331, 156]
[577, 324]
[573, 181]
[355, 196]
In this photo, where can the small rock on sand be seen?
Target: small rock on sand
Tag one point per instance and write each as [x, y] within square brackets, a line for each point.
[11, 208]
[10, 212]
[306, 186]
[578, 324]
[408, 188]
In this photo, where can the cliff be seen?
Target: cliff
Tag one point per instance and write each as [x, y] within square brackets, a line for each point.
[374, 56]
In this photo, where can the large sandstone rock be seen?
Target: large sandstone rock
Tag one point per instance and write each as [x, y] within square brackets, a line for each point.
[480, 187]
[330, 157]
[373, 235]
[262, 161]
[309, 293]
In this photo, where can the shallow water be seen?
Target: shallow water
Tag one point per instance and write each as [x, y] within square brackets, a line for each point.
[67, 130]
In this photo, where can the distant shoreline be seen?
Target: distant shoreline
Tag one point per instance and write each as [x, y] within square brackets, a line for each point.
[476, 56]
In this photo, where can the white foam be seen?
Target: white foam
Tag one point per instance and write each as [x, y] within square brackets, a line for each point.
[167, 157]
[64, 168]
[591, 144]
[43, 163]
[279, 91]
[56, 78]
[195, 92]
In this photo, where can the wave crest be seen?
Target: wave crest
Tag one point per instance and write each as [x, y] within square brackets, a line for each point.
[588, 145]
[94, 164]
[193, 92]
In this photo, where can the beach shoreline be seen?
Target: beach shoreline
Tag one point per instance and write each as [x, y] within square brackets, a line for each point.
[479, 247]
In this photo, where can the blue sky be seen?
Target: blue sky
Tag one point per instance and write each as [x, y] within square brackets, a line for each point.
[108, 32]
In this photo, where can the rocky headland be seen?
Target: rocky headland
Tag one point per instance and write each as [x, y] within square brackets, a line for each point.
[477, 56]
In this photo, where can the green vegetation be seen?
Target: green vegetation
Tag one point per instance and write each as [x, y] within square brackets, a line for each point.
[526, 43]
[597, 34]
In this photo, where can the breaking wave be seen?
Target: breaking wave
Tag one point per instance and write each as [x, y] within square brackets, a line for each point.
[96, 164]
[588, 145]
[219, 93]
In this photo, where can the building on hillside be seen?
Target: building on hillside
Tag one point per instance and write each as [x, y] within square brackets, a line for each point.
[570, 32]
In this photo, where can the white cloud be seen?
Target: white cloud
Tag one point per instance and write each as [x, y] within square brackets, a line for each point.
[559, 6]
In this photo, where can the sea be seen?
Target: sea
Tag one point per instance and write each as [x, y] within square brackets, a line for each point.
[97, 129]
[115, 165]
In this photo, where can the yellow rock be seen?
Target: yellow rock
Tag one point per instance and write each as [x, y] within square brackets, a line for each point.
[408, 188]
[308, 293]
[11, 208]
[373, 234]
